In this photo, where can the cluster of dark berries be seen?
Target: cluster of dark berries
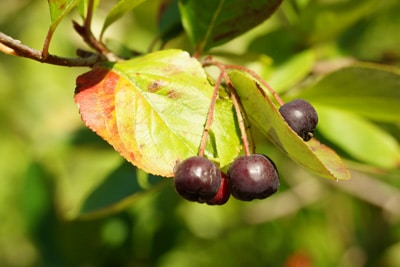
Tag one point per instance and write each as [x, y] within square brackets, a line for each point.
[249, 177]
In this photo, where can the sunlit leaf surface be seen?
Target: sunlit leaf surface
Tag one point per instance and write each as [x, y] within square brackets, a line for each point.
[152, 110]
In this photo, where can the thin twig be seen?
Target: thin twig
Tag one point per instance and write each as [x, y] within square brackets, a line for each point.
[14, 47]
[89, 15]
[90, 40]
[86, 33]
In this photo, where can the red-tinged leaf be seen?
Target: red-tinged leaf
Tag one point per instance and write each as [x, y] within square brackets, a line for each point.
[152, 110]
[95, 97]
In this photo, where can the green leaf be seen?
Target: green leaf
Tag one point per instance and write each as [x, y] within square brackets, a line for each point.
[152, 109]
[291, 72]
[119, 189]
[212, 22]
[263, 114]
[360, 138]
[120, 9]
[59, 9]
[365, 89]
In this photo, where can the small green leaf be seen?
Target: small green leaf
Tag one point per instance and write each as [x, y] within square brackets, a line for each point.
[153, 108]
[212, 22]
[360, 138]
[366, 89]
[59, 9]
[263, 114]
[120, 9]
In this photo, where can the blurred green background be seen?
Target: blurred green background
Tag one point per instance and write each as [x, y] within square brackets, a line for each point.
[50, 163]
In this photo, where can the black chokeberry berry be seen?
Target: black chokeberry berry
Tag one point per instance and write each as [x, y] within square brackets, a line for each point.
[301, 117]
[223, 192]
[197, 179]
[253, 177]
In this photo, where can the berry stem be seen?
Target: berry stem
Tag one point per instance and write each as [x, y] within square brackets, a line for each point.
[259, 79]
[210, 115]
[238, 110]
[248, 129]
[235, 101]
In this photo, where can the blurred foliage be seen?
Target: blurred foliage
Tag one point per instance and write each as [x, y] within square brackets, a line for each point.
[52, 168]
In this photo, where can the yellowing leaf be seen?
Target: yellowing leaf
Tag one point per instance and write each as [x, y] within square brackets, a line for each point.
[152, 110]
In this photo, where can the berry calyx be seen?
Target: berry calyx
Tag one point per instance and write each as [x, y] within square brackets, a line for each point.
[197, 179]
[301, 117]
[253, 177]
[223, 192]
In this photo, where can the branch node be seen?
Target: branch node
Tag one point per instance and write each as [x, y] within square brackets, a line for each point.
[14, 47]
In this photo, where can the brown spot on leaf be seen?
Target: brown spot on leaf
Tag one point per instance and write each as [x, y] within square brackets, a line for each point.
[173, 94]
[155, 86]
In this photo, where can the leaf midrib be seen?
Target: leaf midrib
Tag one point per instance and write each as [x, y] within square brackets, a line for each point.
[210, 29]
